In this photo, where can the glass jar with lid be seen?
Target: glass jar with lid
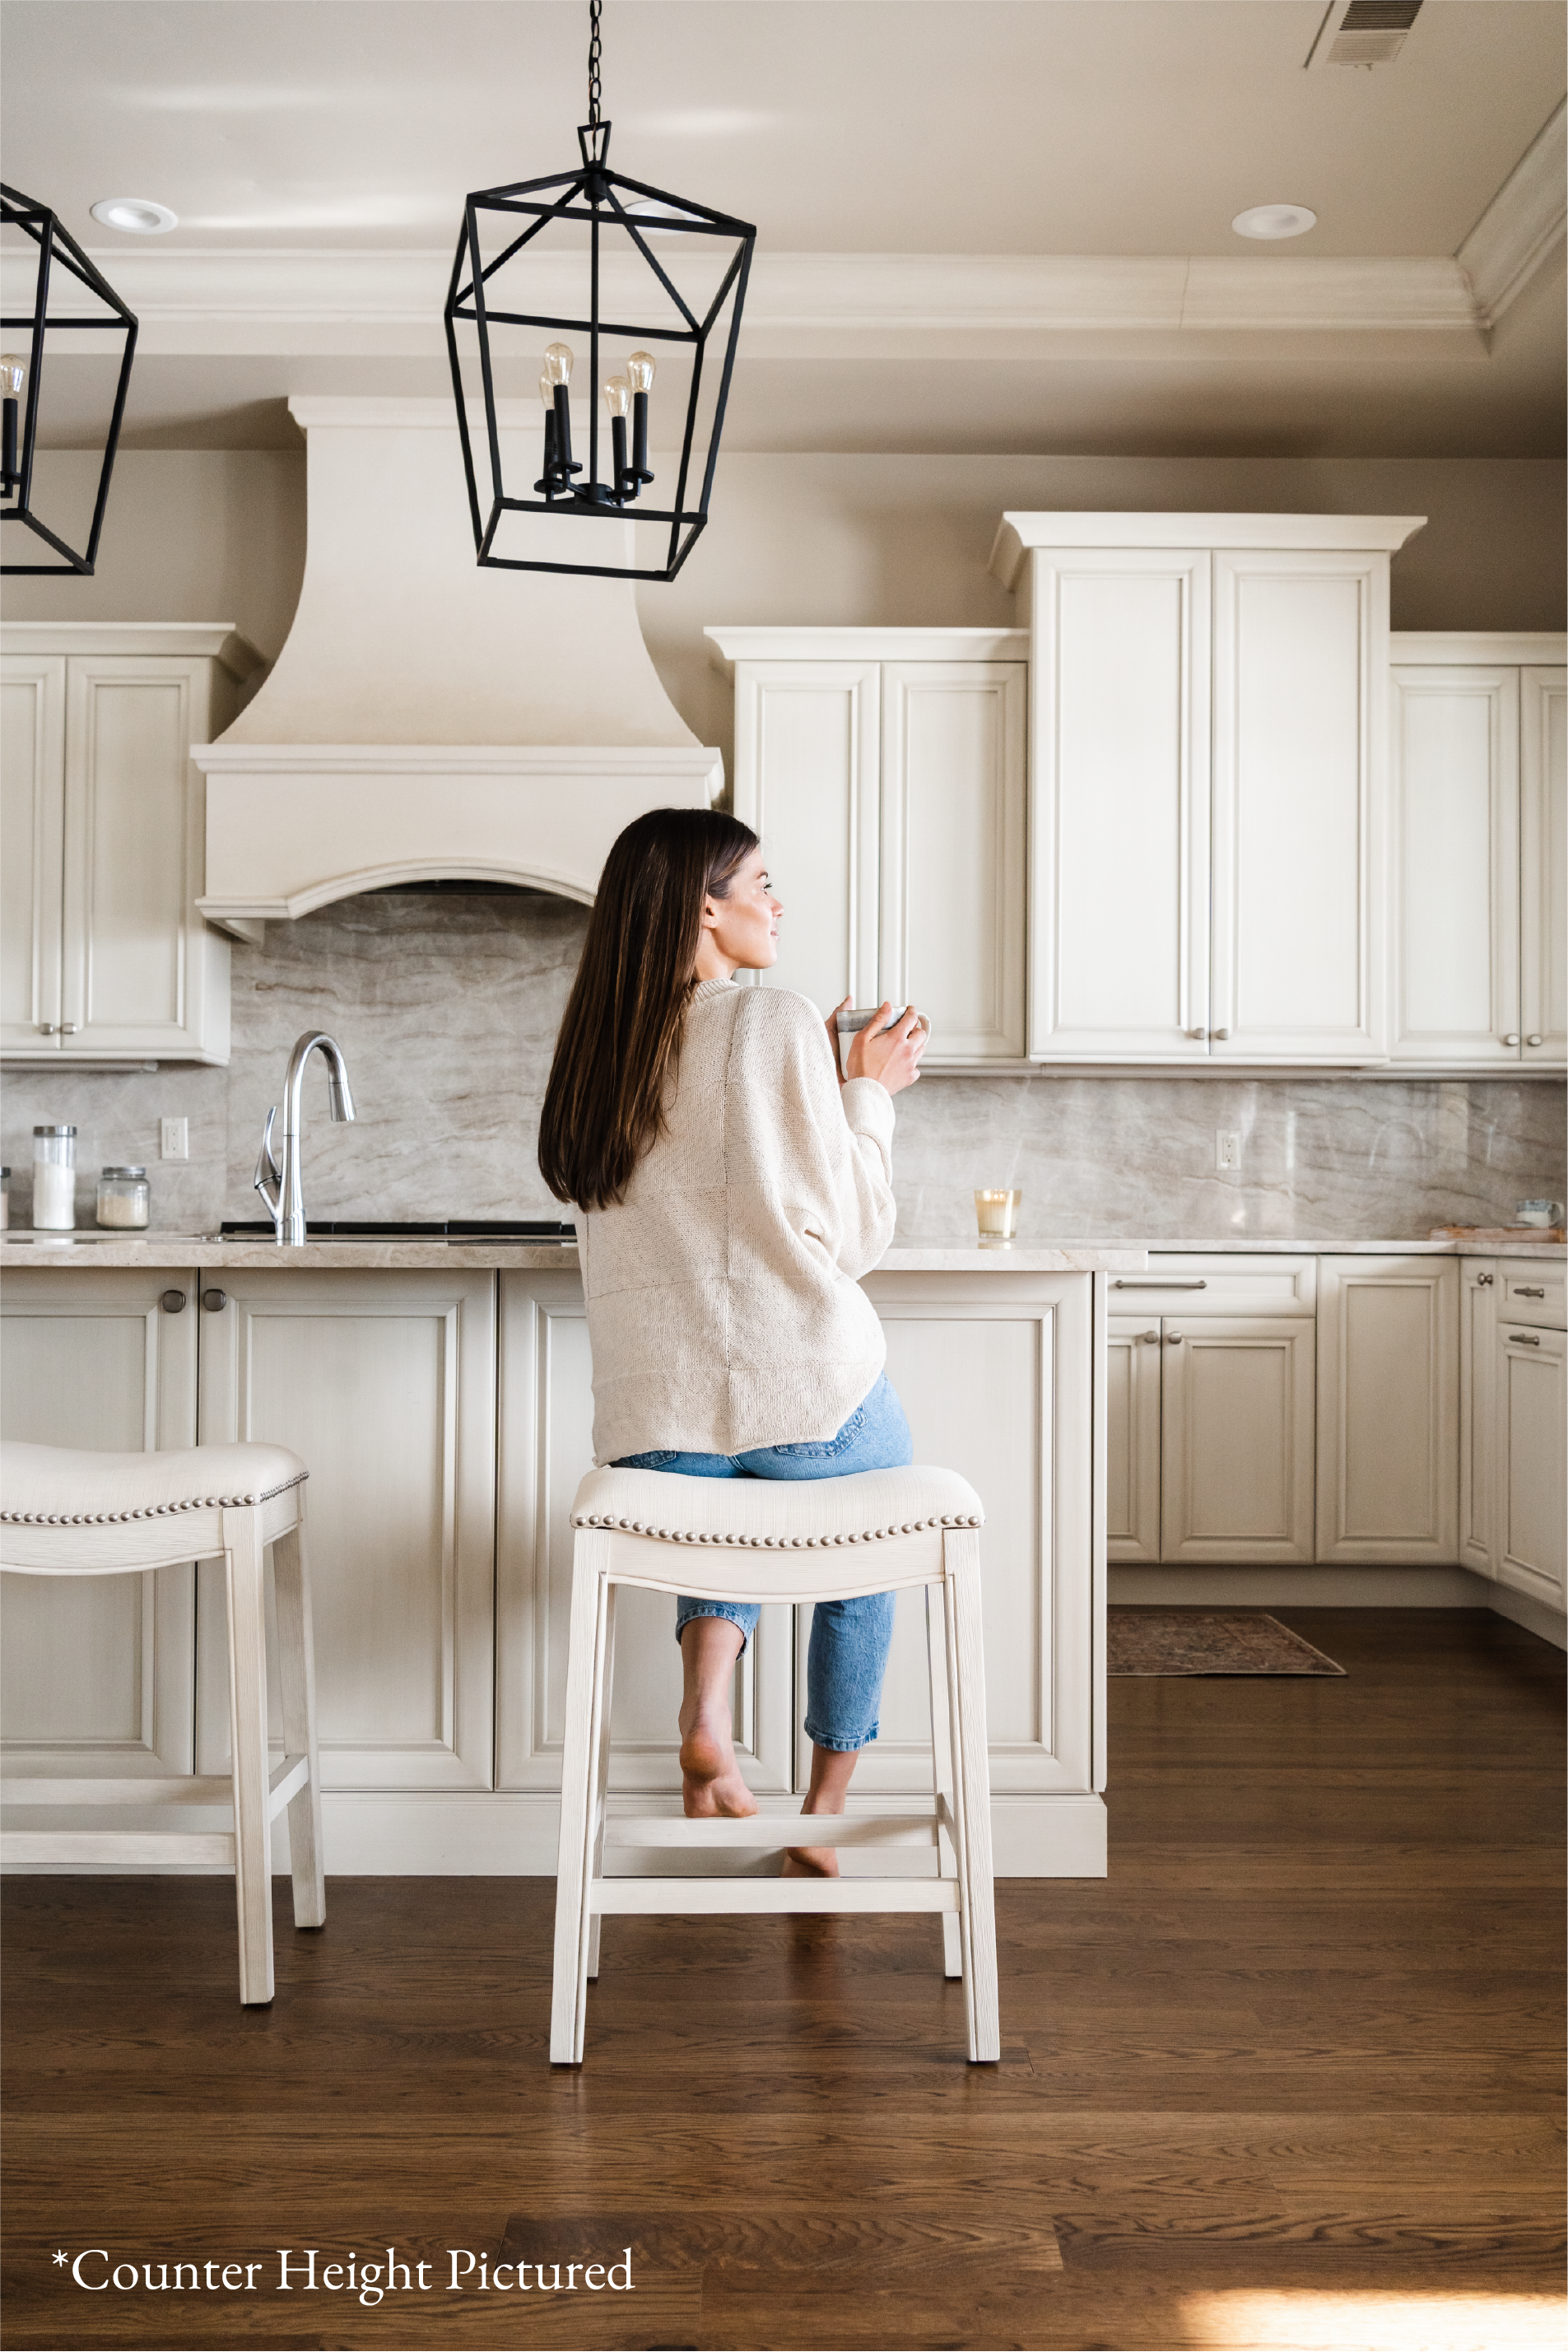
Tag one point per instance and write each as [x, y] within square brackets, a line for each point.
[124, 1197]
[54, 1179]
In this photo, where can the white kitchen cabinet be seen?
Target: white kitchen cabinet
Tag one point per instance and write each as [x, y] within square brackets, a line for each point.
[99, 1671]
[1479, 852]
[1531, 1461]
[1207, 778]
[546, 1444]
[385, 1383]
[885, 770]
[1133, 1350]
[1478, 1383]
[1388, 1409]
[106, 957]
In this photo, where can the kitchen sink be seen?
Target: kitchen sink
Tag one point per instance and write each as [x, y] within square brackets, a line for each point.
[521, 1230]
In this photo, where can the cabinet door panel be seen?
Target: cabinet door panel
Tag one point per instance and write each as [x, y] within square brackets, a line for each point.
[1456, 863]
[1388, 1411]
[137, 962]
[547, 1443]
[997, 1386]
[807, 780]
[1119, 847]
[1300, 650]
[1237, 1439]
[1133, 1430]
[385, 1385]
[1533, 1462]
[32, 815]
[98, 1670]
[1477, 1418]
[953, 850]
[1544, 865]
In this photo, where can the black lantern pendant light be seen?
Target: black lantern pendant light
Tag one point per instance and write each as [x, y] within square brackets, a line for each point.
[647, 283]
[21, 374]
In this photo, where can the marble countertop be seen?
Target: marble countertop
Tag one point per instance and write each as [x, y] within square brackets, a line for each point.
[960, 1255]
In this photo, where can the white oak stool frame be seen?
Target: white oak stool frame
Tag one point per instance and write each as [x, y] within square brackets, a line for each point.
[65, 1513]
[767, 1540]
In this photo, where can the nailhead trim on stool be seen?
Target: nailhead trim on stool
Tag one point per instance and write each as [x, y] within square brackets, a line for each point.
[151, 1510]
[769, 1543]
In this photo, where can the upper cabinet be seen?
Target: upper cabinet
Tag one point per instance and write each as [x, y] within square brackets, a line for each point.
[1481, 850]
[1207, 778]
[105, 956]
[884, 769]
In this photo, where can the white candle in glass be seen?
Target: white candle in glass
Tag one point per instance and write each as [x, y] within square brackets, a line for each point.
[996, 1211]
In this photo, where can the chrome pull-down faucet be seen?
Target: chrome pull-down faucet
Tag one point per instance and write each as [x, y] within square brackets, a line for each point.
[281, 1184]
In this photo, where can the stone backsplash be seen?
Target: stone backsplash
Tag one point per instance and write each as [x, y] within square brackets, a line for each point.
[446, 1007]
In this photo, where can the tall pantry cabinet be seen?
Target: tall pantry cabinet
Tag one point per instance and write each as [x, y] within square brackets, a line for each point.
[1208, 769]
[104, 956]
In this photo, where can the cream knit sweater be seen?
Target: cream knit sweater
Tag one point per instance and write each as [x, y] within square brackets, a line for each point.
[723, 1307]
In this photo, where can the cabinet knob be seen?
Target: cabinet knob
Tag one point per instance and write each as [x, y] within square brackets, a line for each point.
[1484, 1281]
[46, 1028]
[1151, 1339]
[173, 1302]
[1511, 1038]
[69, 1028]
[1174, 1337]
[1219, 1034]
[1197, 1033]
[214, 1301]
[1535, 1039]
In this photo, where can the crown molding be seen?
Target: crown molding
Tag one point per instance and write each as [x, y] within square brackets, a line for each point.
[805, 304]
[1521, 227]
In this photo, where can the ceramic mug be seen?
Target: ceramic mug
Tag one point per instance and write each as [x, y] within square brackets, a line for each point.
[1539, 1213]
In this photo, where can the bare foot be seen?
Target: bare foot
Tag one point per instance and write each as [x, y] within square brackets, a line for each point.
[812, 1861]
[711, 1780]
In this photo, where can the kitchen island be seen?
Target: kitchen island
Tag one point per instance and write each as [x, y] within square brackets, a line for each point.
[440, 1393]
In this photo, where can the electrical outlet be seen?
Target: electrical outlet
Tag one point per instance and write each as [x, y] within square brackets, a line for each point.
[1227, 1147]
[174, 1138]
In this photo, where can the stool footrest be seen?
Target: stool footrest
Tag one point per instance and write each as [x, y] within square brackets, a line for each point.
[772, 1831]
[153, 1849]
[285, 1780]
[714, 1896]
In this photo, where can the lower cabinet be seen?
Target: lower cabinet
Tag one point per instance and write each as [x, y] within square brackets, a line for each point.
[1388, 1410]
[1210, 1438]
[99, 1672]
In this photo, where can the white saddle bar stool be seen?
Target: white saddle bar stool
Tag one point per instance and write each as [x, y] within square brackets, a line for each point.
[68, 1513]
[772, 1540]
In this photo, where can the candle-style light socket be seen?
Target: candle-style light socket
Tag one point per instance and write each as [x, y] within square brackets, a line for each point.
[626, 486]
[563, 459]
[8, 465]
[997, 1215]
[640, 437]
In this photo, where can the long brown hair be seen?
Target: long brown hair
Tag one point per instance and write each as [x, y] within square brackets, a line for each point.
[621, 1030]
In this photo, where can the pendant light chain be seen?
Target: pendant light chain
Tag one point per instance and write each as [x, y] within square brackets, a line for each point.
[595, 53]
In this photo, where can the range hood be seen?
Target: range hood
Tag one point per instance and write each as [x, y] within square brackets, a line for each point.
[427, 721]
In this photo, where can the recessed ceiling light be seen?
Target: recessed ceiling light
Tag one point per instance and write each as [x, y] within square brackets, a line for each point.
[138, 215]
[1275, 220]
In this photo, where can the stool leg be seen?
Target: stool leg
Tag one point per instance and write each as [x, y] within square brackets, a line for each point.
[971, 1771]
[247, 1725]
[599, 1795]
[584, 1699]
[942, 1769]
[297, 1675]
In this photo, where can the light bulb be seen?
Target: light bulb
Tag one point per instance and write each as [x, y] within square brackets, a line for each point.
[641, 370]
[559, 362]
[13, 374]
[617, 396]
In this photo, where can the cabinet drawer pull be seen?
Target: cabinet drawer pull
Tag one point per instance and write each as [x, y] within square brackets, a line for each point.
[214, 1301]
[1162, 1282]
[1525, 1290]
[173, 1302]
[1525, 1338]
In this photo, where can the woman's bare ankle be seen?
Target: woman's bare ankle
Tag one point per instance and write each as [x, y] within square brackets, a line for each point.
[711, 1779]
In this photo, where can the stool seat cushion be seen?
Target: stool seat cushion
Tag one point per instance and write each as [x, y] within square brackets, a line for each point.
[775, 1514]
[60, 1487]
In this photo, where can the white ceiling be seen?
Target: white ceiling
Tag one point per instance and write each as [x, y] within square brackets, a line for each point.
[1002, 128]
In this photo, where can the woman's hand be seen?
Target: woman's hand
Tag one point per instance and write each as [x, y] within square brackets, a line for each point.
[891, 1056]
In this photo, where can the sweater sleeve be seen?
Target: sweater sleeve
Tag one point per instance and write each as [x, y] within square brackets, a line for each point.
[841, 1142]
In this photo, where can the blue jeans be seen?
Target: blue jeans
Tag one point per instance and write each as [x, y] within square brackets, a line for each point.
[848, 1652]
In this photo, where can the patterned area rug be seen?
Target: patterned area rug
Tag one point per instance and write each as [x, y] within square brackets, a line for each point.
[1208, 1642]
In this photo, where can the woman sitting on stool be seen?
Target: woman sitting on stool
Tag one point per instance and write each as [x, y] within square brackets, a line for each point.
[731, 1189]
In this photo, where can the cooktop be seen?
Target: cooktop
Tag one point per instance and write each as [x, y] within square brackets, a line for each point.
[409, 1229]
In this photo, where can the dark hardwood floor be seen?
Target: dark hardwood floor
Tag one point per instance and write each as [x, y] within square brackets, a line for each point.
[1291, 2076]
